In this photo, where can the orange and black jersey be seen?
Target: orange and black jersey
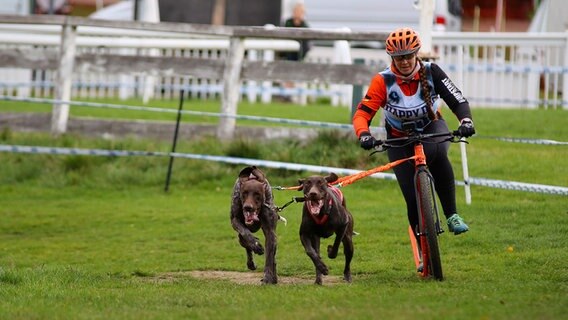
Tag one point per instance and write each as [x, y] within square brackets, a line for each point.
[376, 96]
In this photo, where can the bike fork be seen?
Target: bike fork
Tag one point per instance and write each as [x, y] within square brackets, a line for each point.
[415, 250]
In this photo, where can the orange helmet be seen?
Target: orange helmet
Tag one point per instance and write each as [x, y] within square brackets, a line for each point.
[402, 41]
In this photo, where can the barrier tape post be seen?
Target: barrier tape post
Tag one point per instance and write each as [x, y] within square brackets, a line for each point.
[465, 170]
[170, 165]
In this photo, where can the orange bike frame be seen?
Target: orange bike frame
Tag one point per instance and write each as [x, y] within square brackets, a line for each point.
[419, 156]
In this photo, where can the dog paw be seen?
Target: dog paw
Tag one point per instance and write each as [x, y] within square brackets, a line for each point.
[254, 244]
[267, 280]
[347, 277]
[330, 253]
[322, 268]
[257, 248]
[251, 265]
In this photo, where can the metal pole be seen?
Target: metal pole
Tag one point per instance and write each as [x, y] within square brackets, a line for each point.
[135, 10]
[181, 95]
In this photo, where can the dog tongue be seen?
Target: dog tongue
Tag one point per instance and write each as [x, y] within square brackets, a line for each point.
[315, 206]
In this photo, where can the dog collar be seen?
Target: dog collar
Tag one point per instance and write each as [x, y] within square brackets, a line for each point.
[335, 194]
[319, 220]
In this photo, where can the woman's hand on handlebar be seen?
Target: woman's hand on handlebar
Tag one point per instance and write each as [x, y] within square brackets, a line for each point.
[466, 128]
[367, 141]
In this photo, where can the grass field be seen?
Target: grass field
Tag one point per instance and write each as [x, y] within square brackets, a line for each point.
[95, 237]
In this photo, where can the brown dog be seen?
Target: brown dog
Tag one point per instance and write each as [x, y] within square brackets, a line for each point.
[252, 208]
[325, 213]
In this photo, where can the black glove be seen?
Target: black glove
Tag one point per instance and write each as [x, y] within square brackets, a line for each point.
[367, 141]
[466, 128]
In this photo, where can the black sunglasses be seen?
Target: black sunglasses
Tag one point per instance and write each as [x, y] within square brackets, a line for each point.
[409, 56]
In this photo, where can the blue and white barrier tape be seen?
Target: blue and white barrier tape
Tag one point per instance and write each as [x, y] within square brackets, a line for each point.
[529, 141]
[518, 102]
[77, 151]
[509, 185]
[518, 186]
[329, 125]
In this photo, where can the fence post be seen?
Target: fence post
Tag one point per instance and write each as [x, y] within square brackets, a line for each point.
[266, 86]
[564, 101]
[357, 91]
[60, 113]
[252, 86]
[231, 86]
[341, 55]
[266, 92]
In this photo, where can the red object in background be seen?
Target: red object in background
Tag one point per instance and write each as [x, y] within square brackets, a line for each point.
[514, 9]
[517, 15]
[54, 7]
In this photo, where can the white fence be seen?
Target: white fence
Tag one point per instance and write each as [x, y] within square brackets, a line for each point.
[508, 69]
[504, 70]
[493, 69]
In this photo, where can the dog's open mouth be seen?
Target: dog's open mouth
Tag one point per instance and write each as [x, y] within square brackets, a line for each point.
[314, 206]
[250, 217]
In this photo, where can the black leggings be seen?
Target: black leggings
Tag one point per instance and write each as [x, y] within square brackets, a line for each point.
[440, 167]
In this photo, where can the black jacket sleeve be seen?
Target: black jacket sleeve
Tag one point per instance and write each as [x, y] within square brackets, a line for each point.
[450, 93]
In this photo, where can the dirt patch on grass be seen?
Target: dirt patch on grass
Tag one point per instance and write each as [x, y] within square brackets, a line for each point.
[249, 278]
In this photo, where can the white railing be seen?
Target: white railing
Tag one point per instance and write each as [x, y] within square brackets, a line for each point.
[508, 69]
[40, 83]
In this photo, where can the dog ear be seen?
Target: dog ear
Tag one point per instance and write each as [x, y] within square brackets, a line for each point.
[301, 184]
[331, 178]
[258, 174]
[245, 173]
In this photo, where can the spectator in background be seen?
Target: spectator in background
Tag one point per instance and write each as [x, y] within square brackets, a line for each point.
[298, 21]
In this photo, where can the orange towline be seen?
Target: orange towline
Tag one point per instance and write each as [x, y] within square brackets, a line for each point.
[347, 180]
